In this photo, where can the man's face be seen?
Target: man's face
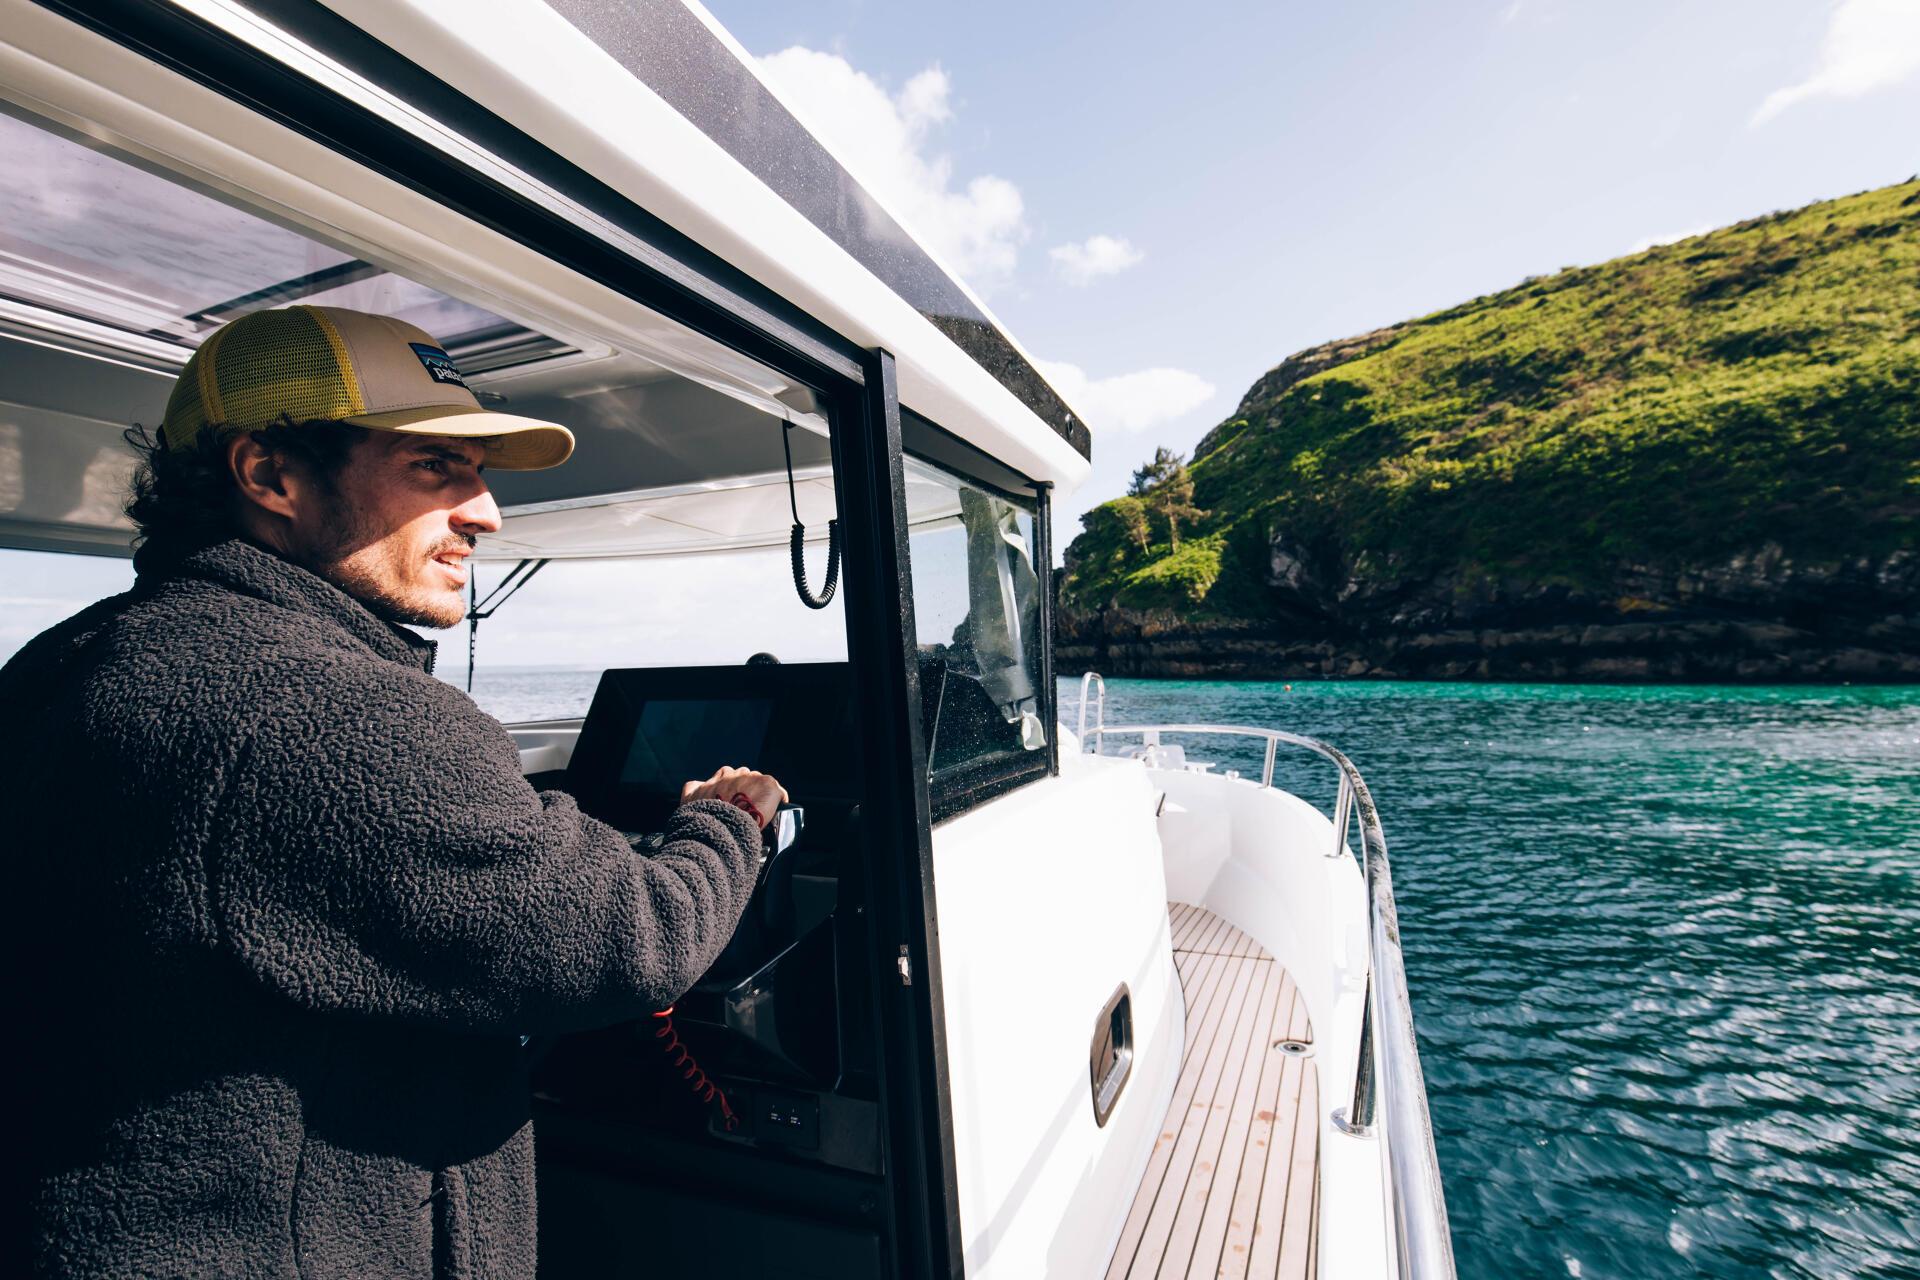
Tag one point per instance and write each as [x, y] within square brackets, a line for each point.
[398, 524]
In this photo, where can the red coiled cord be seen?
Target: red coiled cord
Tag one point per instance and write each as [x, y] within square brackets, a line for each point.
[703, 1088]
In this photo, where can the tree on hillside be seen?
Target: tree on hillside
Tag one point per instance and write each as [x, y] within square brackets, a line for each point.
[1132, 515]
[1165, 486]
[1173, 499]
[1150, 475]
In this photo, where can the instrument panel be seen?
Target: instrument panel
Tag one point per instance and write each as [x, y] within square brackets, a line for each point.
[782, 1020]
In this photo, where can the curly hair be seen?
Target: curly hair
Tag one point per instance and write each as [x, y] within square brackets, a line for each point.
[186, 499]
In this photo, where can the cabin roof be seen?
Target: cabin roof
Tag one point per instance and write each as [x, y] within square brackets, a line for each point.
[681, 126]
[680, 52]
[656, 100]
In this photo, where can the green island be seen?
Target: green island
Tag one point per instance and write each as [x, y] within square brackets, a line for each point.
[1697, 462]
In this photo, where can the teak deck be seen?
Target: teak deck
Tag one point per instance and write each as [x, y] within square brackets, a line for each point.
[1233, 1186]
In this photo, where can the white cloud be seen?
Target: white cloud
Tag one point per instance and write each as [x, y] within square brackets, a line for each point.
[1127, 402]
[1870, 44]
[1096, 256]
[885, 140]
[1641, 246]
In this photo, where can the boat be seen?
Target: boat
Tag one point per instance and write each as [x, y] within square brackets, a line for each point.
[1013, 1000]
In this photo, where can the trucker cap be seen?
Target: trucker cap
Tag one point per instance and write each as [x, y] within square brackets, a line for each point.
[373, 371]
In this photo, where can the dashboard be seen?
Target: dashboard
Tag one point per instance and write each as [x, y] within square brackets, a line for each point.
[782, 1021]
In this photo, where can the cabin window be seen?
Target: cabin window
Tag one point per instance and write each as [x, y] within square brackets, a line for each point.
[665, 539]
[976, 601]
[95, 247]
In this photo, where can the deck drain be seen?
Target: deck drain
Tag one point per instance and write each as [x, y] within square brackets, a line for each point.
[1293, 1048]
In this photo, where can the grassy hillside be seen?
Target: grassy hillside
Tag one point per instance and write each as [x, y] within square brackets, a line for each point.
[1758, 384]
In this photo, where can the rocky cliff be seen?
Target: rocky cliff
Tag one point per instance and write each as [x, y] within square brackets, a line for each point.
[1698, 463]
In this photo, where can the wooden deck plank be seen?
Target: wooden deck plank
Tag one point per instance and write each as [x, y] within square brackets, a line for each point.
[1207, 1001]
[1215, 1198]
[1237, 1247]
[1313, 1238]
[1185, 963]
[1231, 1187]
[1186, 919]
[1211, 934]
[1203, 1009]
[1314, 1208]
[1191, 922]
[1197, 929]
[1225, 938]
[1272, 1217]
[1183, 1234]
[1296, 1229]
[1157, 1235]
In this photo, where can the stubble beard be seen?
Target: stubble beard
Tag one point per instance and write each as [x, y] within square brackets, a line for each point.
[383, 573]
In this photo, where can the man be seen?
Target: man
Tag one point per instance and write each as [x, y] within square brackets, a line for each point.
[285, 904]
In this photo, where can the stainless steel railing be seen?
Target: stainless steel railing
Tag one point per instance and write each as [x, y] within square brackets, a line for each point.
[1087, 683]
[1387, 1078]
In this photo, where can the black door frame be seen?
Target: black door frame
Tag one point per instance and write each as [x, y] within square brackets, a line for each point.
[693, 286]
[896, 822]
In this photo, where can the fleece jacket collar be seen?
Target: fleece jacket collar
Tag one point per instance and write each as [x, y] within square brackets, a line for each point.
[252, 570]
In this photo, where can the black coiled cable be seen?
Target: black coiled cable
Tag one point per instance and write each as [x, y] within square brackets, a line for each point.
[800, 566]
[798, 541]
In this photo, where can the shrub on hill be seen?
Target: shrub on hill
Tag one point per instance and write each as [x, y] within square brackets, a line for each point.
[1755, 385]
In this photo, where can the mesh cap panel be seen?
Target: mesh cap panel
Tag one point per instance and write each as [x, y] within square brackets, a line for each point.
[262, 366]
[305, 363]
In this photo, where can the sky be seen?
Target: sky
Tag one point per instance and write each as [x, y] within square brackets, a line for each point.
[1160, 203]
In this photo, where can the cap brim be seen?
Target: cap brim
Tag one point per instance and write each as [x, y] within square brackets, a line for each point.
[513, 443]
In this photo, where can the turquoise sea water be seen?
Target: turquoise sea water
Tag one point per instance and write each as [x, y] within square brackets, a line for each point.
[1661, 944]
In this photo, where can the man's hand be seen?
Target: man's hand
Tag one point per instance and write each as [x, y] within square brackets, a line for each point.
[765, 794]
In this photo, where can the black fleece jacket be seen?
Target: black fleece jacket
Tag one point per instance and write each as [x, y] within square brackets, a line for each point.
[283, 907]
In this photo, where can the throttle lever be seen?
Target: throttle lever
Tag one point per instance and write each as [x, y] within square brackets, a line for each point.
[789, 820]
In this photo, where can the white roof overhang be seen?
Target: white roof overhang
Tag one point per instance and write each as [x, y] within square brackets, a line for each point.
[574, 98]
[95, 87]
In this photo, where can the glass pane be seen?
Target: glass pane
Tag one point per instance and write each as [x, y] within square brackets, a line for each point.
[683, 445]
[540, 657]
[115, 259]
[85, 234]
[976, 602]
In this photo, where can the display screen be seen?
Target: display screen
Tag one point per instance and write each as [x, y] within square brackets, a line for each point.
[653, 729]
[683, 740]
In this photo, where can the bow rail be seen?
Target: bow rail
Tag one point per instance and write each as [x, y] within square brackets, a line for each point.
[1389, 1089]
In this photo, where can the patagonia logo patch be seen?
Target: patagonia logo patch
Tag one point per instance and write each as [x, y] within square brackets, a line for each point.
[439, 364]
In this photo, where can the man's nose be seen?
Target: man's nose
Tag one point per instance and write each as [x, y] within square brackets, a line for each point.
[478, 514]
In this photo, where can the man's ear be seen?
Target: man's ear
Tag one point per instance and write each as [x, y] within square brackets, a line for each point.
[262, 476]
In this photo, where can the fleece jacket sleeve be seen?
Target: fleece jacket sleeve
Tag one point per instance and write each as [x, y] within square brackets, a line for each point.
[379, 853]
